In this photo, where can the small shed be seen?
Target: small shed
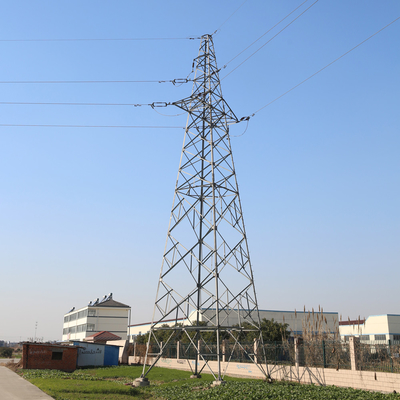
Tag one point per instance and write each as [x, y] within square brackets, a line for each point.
[49, 356]
[96, 354]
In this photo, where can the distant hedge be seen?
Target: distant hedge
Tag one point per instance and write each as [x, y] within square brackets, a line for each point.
[6, 352]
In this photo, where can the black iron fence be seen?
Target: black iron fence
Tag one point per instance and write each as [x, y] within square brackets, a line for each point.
[367, 356]
[378, 356]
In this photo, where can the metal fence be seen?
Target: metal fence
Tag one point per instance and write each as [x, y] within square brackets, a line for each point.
[325, 354]
[368, 356]
[378, 356]
[235, 353]
[278, 353]
[187, 351]
[171, 351]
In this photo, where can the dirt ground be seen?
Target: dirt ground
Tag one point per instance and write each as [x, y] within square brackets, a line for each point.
[13, 366]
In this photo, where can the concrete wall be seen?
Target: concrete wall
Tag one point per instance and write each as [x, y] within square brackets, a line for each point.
[39, 356]
[366, 380]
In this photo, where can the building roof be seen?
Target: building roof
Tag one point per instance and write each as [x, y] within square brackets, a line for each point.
[102, 336]
[111, 303]
[62, 345]
[352, 322]
[107, 302]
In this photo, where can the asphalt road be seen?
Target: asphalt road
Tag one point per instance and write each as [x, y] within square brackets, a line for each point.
[13, 387]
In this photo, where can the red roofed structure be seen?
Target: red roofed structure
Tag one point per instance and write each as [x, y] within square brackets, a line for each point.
[102, 337]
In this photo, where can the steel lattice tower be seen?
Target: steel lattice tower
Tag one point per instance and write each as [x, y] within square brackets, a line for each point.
[206, 274]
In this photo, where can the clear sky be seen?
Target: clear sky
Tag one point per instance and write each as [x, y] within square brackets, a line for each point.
[85, 211]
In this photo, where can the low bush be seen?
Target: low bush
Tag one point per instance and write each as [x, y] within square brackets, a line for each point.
[6, 352]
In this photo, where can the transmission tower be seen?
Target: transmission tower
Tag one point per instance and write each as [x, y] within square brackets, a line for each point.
[206, 282]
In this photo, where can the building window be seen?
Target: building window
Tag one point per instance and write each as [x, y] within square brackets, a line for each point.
[396, 337]
[82, 314]
[380, 337]
[91, 313]
[364, 337]
[72, 317]
[56, 354]
[66, 319]
[90, 327]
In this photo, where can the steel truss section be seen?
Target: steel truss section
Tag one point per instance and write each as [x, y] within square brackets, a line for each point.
[206, 284]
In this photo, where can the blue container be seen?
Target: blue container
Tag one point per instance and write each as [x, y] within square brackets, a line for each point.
[111, 355]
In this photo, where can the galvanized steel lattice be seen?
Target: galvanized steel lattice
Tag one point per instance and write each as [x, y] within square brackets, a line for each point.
[206, 272]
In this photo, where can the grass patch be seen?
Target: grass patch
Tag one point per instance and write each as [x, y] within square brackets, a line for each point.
[168, 384]
[260, 390]
[74, 389]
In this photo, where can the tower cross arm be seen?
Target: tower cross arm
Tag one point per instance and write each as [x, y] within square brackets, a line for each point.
[196, 104]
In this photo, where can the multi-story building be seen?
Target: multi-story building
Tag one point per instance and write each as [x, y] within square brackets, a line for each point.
[380, 328]
[105, 315]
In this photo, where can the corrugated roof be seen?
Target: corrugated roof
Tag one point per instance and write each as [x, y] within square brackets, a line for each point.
[103, 336]
[352, 322]
[111, 303]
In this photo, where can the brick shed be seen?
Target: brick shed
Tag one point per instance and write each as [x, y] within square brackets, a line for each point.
[49, 356]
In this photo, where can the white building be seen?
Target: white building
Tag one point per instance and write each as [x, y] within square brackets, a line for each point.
[298, 321]
[374, 328]
[105, 315]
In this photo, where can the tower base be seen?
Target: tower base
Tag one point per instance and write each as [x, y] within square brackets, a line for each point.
[141, 382]
[218, 383]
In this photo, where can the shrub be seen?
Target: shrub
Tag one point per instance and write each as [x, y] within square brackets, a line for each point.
[6, 352]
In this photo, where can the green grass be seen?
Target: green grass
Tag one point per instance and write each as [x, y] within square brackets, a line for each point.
[167, 384]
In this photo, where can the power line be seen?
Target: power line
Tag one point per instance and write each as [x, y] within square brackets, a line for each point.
[165, 104]
[320, 70]
[177, 81]
[97, 39]
[273, 37]
[245, 1]
[269, 30]
[93, 126]
[153, 105]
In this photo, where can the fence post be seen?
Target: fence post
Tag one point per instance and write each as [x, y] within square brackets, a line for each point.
[199, 350]
[223, 350]
[255, 348]
[390, 356]
[276, 353]
[296, 353]
[134, 351]
[178, 347]
[353, 353]
[323, 353]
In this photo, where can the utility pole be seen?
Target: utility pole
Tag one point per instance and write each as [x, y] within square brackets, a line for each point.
[206, 281]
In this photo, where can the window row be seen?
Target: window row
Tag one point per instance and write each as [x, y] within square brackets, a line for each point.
[79, 315]
[376, 337]
[79, 328]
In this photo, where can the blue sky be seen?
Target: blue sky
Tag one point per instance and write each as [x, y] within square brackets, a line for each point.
[85, 211]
